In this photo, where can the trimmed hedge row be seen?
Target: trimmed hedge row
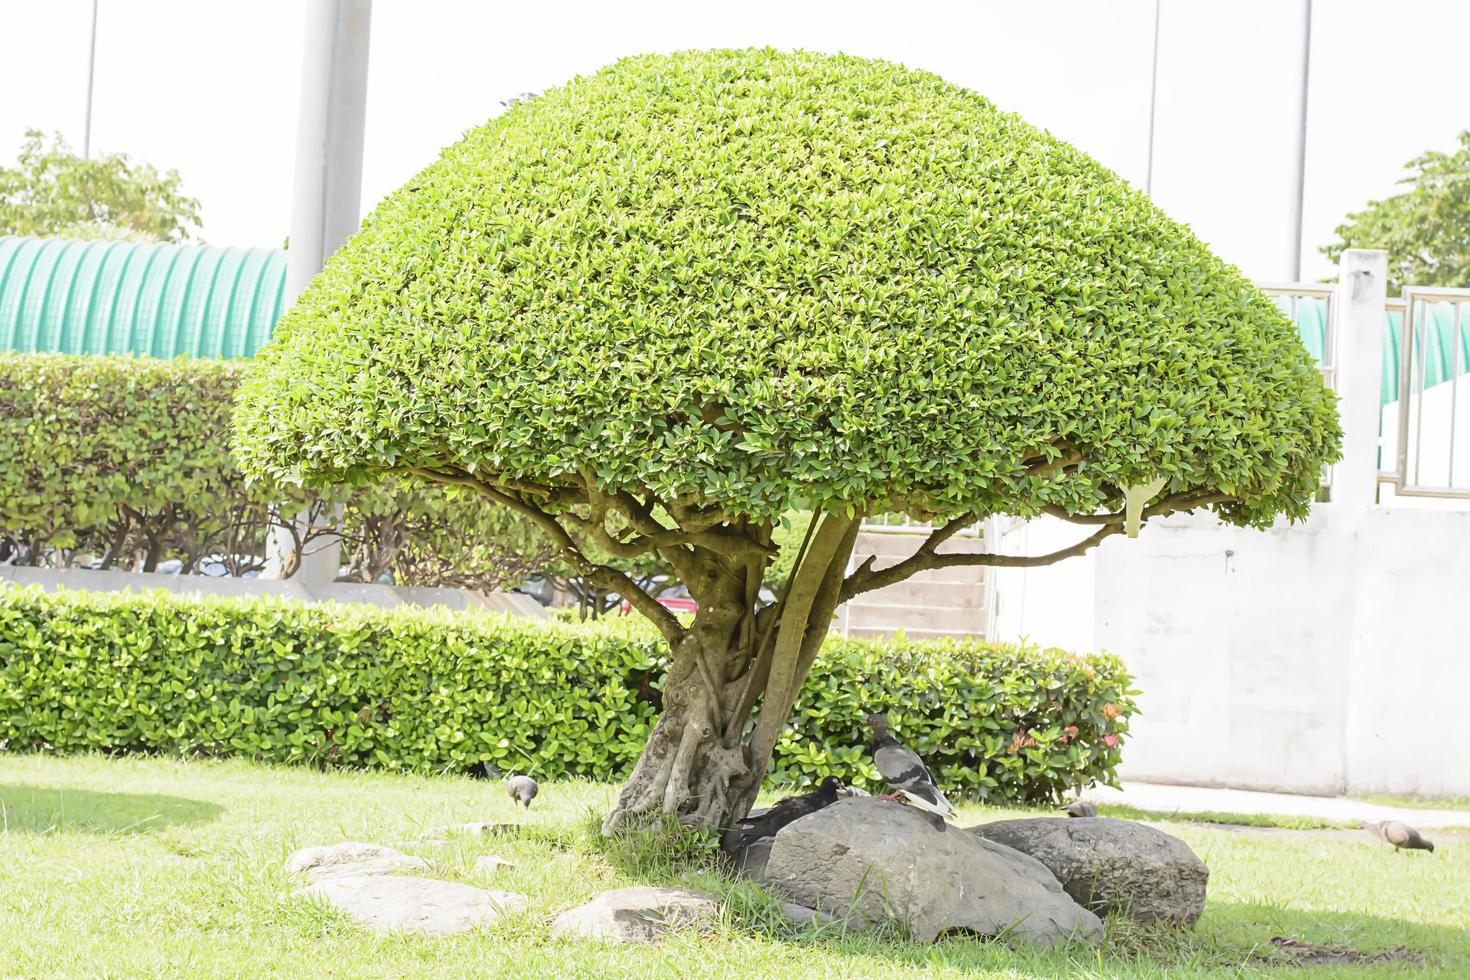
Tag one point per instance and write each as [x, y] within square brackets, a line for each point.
[432, 690]
[124, 461]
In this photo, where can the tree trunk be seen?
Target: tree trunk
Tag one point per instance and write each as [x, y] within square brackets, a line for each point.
[704, 761]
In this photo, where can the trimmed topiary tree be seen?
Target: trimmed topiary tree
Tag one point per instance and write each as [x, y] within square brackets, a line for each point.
[661, 306]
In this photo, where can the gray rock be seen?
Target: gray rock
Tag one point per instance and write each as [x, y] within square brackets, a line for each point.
[637, 915]
[386, 903]
[351, 859]
[492, 865]
[1114, 867]
[800, 916]
[867, 860]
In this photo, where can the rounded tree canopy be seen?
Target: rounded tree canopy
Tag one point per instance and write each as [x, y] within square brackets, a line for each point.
[755, 278]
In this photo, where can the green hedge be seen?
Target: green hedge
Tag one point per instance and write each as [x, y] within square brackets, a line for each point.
[125, 462]
[433, 690]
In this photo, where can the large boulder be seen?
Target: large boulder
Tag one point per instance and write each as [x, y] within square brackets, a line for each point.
[386, 903]
[1114, 867]
[350, 860]
[640, 914]
[866, 860]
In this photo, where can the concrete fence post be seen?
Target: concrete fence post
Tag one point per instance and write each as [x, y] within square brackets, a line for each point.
[1358, 308]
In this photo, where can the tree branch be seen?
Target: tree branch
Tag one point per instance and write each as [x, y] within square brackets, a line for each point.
[1170, 504]
[865, 579]
[917, 562]
[602, 575]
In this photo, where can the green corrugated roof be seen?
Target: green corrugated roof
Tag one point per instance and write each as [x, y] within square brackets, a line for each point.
[117, 297]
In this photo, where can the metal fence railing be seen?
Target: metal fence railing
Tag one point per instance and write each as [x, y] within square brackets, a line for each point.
[1309, 306]
[1426, 423]
[901, 523]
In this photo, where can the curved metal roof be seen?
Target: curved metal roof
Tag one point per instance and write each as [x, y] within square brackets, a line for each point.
[116, 297]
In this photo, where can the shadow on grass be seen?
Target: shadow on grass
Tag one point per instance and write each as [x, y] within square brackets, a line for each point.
[1234, 939]
[39, 810]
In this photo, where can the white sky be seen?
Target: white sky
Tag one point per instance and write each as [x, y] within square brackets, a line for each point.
[210, 88]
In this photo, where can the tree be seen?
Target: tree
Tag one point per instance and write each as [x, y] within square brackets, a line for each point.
[442, 537]
[658, 308]
[52, 191]
[646, 572]
[1426, 229]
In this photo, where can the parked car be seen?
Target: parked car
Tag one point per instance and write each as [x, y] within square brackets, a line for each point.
[675, 598]
[538, 588]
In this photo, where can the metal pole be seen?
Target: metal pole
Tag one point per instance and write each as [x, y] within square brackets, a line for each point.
[326, 200]
[91, 74]
[1299, 192]
[329, 136]
[1153, 103]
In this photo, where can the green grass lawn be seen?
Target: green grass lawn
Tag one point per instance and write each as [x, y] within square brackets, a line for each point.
[1418, 802]
[145, 867]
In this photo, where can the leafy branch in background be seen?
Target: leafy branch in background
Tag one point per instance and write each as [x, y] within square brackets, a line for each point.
[53, 191]
[1426, 228]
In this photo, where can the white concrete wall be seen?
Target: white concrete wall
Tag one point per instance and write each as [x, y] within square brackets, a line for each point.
[1051, 605]
[1325, 657]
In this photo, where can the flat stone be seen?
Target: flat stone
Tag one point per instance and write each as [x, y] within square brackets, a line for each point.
[1114, 867]
[385, 903]
[800, 916]
[640, 914]
[354, 859]
[492, 865]
[867, 861]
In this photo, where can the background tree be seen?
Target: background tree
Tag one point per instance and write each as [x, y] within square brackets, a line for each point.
[438, 536]
[52, 191]
[655, 310]
[648, 573]
[1426, 228]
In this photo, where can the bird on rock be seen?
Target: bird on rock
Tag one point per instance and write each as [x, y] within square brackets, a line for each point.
[522, 788]
[1081, 808]
[1399, 834]
[789, 809]
[903, 770]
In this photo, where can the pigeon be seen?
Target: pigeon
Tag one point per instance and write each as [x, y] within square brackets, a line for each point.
[1080, 808]
[905, 772]
[1399, 834]
[789, 809]
[522, 788]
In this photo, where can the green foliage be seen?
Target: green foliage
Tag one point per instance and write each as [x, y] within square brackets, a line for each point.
[770, 280]
[1426, 228]
[430, 690]
[993, 721]
[126, 461]
[52, 191]
[118, 455]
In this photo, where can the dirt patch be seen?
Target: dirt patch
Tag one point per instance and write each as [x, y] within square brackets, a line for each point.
[1305, 954]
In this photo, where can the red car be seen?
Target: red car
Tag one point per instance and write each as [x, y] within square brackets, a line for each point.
[677, 599]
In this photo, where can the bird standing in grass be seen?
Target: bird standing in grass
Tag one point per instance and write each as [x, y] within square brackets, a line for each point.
[1399, 834]
[790, 809]
[522, 788]
[1080, 808]
[903, 770]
